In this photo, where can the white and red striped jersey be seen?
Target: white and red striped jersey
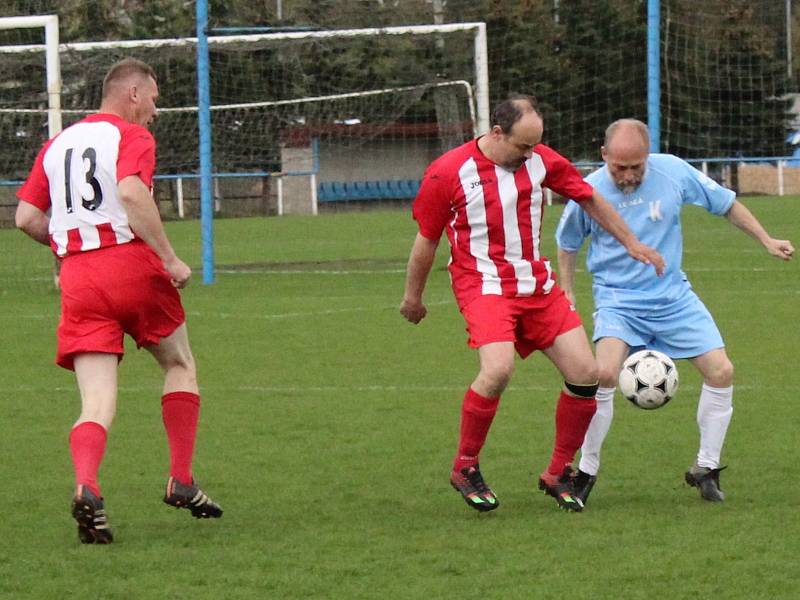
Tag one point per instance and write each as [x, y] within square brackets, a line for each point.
[493, 218]
[75, 176]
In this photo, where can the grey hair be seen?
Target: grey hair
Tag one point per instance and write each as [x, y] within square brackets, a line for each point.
[636, 124]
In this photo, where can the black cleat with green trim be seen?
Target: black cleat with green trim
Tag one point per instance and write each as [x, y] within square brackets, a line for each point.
[561, 488]
[470, 484]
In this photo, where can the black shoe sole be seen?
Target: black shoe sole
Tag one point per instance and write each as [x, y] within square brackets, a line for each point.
[198, 512]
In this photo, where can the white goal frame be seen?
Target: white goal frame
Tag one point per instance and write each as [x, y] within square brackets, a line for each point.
[52, 48]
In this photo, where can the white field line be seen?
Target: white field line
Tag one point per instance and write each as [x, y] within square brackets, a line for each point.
[321, 389]
[248, 271]
[289, 389]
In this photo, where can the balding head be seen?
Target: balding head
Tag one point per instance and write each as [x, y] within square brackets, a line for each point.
[512, 109]
[516, 128]
[627, 135]
[625, 151]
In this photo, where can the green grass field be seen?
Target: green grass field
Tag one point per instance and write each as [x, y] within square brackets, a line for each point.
[329, 425]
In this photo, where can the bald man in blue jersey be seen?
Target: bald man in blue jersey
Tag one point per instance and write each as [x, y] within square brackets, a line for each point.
[634, 308]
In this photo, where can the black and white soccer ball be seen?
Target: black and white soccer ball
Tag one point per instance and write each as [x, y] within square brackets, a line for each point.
[649, 379]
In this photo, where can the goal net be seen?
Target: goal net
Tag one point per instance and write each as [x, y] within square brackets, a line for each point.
[725, 78]
[724, 68]
[360, 112]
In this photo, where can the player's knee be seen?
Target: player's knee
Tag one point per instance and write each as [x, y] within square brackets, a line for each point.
[498, 375]
[607, 376]
[721, 375]
[581, 390]
[180, 371]
[588, 373]
[187, 366]
[178, 358]
[727, 372]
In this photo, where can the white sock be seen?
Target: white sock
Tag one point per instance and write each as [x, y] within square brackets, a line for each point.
[597, 432]
[713, 416]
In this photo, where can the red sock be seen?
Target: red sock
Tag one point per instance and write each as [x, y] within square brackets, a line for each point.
[573, 416]
[87, 444]
[477, 413]
[180, 411]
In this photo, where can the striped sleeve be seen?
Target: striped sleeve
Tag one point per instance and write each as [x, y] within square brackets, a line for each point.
[562, 177]
[432, 206]
[137, 155]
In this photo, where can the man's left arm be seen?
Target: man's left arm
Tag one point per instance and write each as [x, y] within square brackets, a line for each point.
[145, 220]
[741, 216]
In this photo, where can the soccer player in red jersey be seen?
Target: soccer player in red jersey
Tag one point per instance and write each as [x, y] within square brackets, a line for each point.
[487, 196]
[119, 274]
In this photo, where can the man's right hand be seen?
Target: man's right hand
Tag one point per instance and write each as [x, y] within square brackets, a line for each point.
[648, 256]
[413, 310]
[179, 272]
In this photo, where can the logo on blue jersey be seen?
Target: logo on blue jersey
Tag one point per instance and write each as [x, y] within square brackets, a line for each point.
[633, 202]
[655, 211]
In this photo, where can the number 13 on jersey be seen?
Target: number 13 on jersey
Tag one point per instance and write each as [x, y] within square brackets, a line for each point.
[84, 172]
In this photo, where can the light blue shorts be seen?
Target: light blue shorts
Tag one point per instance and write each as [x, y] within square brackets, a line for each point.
[684, 329]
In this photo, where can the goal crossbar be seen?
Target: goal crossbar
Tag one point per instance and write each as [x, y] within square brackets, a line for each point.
[245, 38]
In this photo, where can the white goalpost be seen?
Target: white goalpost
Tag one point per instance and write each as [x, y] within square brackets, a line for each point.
[50, 25]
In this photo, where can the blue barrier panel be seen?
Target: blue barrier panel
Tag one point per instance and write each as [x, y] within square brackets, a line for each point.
[361, 190]
[410, 187]
[386, 189]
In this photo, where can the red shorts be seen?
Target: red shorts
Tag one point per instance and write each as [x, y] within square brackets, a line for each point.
[109, 292]
[531, 322]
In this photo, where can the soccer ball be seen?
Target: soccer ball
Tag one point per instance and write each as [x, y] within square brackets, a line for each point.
[649, 379]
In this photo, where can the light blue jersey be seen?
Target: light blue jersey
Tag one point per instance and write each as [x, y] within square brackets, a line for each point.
[653, 212]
